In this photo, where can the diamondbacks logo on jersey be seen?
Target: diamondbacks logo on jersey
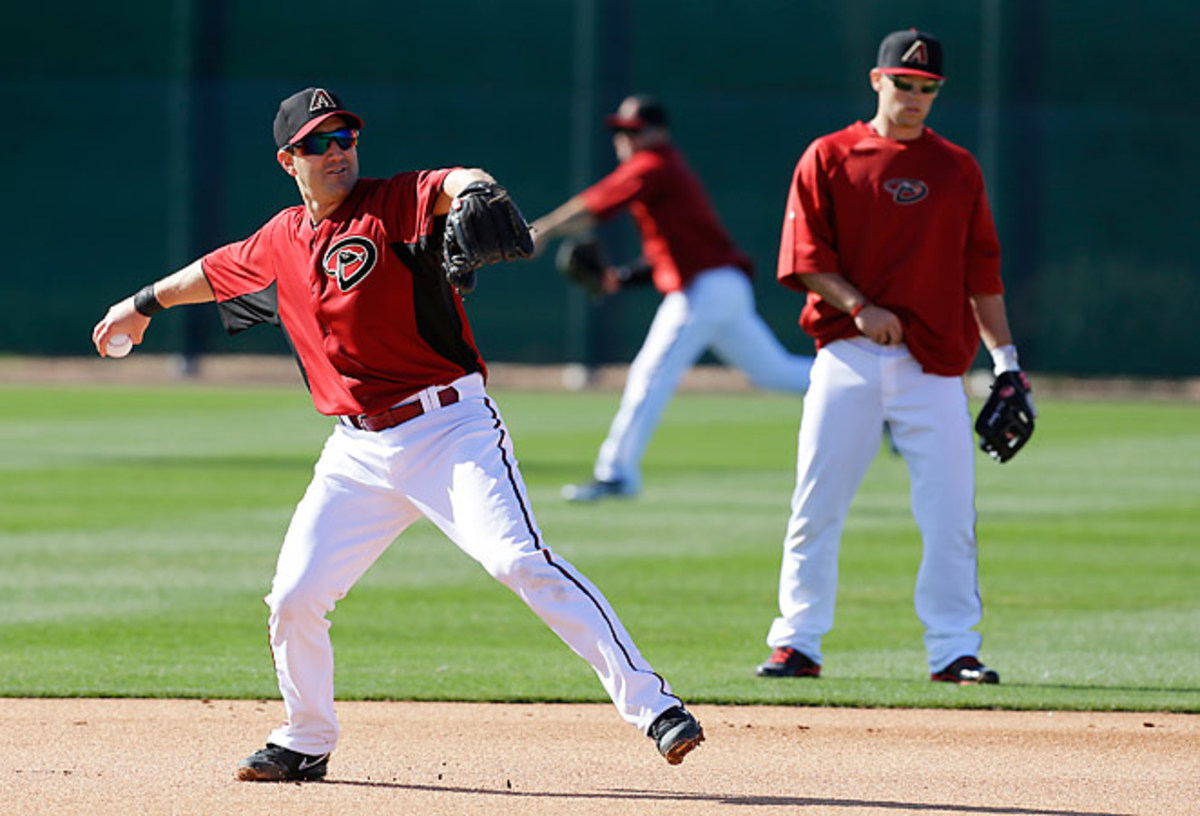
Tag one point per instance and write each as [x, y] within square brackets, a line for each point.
[320, 101]
[350, 260]
[906, 191]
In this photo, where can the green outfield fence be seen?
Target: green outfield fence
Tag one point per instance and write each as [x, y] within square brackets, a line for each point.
[139, 137]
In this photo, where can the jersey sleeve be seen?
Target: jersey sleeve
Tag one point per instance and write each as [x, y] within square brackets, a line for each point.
[410, 200]
[806, 243]
[242, 277]
[631, 180]
[983, 246]
[244, 266]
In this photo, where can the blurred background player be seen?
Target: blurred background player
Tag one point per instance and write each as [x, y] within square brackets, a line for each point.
[708, 300]
[901, 285]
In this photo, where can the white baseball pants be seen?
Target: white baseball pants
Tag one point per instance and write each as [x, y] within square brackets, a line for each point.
[455, 466]
[716, 310]
[856, 386]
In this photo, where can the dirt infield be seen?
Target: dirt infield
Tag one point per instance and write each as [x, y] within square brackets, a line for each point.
[108, 757]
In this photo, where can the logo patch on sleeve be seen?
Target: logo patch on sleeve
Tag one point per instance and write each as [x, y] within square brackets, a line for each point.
[350, 260]
[906, 191]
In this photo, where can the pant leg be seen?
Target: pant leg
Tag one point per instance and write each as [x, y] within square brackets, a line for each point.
[931, 425]
[745, 342]
[346, 519]
[840, 433]
[470, 486]
[679, 334]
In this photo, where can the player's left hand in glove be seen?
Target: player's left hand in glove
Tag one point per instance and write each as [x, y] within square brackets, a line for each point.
[1005, 422]
[483, 227]
[583, 263]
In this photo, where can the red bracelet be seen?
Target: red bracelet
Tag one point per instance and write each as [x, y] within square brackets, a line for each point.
[855, 311]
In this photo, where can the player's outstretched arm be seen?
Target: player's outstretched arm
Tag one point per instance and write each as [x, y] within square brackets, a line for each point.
[483, 226]
[132, 315]
[455, 182]
[568, 219]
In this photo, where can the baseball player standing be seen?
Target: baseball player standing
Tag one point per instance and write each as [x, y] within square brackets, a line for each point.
[705, 281]
[359, 279]
[889, 232]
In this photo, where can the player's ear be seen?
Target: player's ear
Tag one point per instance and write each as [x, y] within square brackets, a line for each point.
[287, 161]
[876, 77]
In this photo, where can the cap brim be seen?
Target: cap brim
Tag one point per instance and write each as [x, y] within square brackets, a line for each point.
[912, 71]
[616, 122]
[352, 119]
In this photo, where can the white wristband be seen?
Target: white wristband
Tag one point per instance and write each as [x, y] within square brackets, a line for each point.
[1004, 358]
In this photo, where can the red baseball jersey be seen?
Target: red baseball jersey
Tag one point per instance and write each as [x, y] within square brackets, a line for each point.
[361, 295]
[681, 234]
[906, 222]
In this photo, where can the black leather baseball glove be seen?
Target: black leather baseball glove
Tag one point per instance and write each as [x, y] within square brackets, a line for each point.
[483, 227]
[582, 262]
[1005, 422]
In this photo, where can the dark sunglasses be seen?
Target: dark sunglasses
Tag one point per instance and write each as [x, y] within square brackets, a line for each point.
[905, 85]
[317, 144]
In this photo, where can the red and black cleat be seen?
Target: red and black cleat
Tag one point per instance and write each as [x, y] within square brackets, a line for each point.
[787, 662]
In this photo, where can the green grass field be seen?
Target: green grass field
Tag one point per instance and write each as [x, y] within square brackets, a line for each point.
[139, 529]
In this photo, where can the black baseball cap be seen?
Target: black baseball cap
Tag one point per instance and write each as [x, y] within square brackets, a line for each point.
[911, 52]
[638, 112]
[304, 110]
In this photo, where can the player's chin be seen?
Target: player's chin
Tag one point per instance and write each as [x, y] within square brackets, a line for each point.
[341, 180]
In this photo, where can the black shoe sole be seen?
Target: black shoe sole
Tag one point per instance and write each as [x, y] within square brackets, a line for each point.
[675, 754]
[247, 774]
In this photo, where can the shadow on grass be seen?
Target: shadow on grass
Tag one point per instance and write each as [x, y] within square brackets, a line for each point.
[204, 462]
[1127, 689]
[1007, 696]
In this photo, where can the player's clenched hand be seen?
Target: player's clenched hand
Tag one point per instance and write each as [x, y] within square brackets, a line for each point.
[483, 227]
[121, 318]
[880, 324]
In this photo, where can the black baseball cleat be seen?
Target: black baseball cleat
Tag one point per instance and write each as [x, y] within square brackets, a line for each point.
[278, 764]
[966, 671]
[676, 733]
[787, 662]
[598, 489]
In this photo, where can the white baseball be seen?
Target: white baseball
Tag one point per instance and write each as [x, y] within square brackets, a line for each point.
[119, 345]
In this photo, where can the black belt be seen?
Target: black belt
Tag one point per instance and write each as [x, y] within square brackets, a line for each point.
[401, 413]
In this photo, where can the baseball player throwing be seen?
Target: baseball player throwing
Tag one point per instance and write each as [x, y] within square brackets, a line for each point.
[364, 277]
[889, 233]
[707, 301]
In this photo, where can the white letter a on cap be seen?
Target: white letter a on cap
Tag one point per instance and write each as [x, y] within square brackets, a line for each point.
[320, 99]
[916, 53]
